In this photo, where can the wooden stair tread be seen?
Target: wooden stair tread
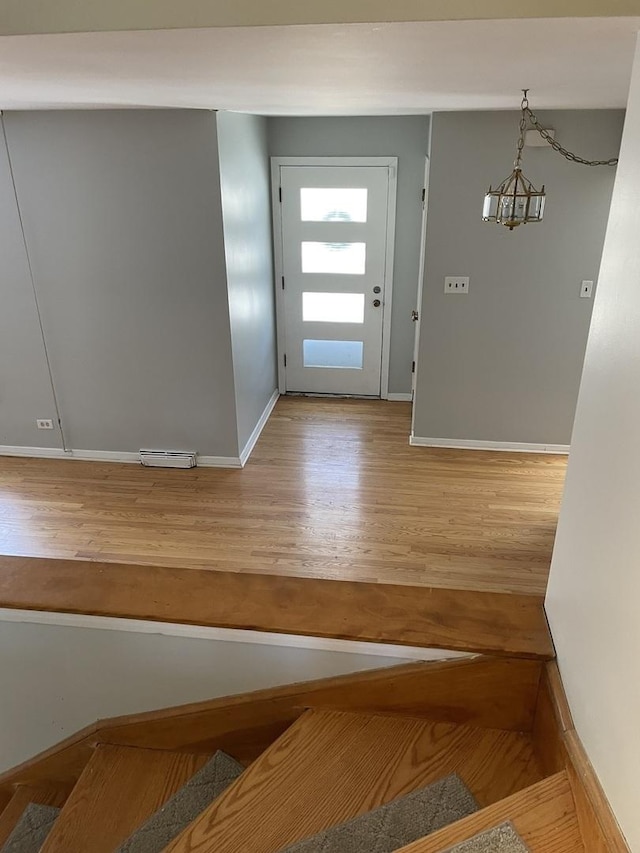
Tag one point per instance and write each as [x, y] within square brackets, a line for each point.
[330, 766]
[118, 790]
[44, 795]
[544, 816]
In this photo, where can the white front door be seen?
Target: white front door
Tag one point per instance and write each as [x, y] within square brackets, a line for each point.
[335, 225]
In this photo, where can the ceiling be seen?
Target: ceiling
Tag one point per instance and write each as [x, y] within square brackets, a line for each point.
[349, 69]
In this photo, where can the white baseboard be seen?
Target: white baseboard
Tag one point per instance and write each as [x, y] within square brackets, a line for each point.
[36, 452]
[400, 398]
[246, 451]
[218, 462]
[59, 453]
[102, 456]
[509, 446]
[108, 456]
[227, 635]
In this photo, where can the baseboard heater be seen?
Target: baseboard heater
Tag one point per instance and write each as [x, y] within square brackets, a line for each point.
[169, 458]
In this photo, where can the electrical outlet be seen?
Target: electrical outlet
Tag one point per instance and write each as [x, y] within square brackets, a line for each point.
[44, 423]
[456, 284]
[586, 289]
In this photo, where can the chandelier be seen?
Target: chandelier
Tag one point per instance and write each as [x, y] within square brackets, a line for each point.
[515, 200]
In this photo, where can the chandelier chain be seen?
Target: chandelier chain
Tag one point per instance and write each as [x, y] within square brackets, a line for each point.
[523, 128]
[569, 155]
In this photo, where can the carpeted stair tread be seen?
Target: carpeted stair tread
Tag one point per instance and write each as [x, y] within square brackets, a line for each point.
[500, 839]
[397, 823]
[30, 832]
[184, 806]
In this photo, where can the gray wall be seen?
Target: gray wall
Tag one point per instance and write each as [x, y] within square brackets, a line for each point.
[246, 213]
[25, 389]
[405, 137]
[56, 679]
[124, 229]
[504, 362]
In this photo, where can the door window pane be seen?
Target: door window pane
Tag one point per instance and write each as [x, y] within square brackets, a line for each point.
[333, 354]
[339, 204]
[334, 258]
[333, 307]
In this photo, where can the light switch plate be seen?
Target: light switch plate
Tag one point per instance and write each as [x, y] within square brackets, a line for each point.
[456, 284]
[586, 289]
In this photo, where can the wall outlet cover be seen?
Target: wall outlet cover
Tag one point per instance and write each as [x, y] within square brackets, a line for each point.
[44, 423]
[456, 284]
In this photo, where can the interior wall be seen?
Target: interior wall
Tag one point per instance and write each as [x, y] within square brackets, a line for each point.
[55, 680]
[248, 242]
[123, 220]
[41, 16]
[405, 137]
[25, 388]
[503, 363]
[594, 587]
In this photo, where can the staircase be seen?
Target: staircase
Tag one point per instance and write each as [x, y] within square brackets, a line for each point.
[367, 763]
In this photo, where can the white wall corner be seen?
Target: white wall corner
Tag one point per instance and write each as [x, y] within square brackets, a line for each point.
[246, 451]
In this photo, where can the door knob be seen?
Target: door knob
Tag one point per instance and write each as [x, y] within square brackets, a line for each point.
[414, 316]
[376, 303]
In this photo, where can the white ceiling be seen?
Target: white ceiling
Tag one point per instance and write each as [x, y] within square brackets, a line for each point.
[353, 69]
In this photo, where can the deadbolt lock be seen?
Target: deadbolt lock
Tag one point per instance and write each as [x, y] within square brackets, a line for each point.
[377, 289]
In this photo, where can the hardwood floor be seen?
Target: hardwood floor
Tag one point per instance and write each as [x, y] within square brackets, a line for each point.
[332, 491]
[335, 528]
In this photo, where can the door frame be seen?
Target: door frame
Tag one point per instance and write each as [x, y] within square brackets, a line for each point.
[391, 163]
[419, 297]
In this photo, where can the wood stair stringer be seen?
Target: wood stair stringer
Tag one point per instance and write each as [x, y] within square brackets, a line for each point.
[496, 693]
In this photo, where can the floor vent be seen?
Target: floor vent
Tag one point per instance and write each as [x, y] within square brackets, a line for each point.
[168, 458]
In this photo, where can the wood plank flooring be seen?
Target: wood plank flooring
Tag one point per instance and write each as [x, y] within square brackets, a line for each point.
[332, 491]
[331, 766]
